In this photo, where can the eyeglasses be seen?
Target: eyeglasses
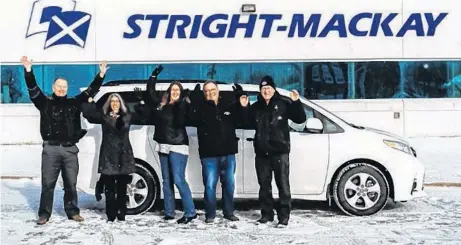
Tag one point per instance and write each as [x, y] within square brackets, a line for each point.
[210, 91]
[266, 88]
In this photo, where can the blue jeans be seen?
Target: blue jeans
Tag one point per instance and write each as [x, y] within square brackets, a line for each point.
[173, 172]
[224, 169]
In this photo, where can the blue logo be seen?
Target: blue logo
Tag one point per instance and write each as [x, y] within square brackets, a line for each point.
[61, 23]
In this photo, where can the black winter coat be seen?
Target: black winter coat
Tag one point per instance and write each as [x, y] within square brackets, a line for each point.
[216, 126]
[272, 136]
[169, 120]
[116, 154]
[60, 116]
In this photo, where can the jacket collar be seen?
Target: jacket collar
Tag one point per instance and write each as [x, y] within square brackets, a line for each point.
[55, 97]
[272, 100]
[113, 114]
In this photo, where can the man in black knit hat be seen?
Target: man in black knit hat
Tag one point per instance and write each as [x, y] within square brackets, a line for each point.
[269, 117]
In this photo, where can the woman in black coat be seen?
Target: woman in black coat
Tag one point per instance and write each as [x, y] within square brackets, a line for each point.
[116, 159]
[169, 116]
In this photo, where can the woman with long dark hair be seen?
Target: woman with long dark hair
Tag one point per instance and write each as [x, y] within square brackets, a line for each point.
[169, 116]
[116, 159]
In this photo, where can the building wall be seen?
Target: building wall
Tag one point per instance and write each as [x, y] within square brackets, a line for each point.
[415, 92]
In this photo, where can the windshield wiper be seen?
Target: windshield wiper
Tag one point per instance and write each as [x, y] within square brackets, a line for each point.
[355, 126]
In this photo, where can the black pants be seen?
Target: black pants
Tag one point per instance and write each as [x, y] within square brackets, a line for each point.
[56, 159]
[280, 166]
[115, 190]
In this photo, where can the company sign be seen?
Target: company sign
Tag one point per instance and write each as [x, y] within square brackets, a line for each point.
[78, 31]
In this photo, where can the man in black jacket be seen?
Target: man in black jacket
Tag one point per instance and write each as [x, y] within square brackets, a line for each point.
[269, 117]
[60, 129]
[216, 121]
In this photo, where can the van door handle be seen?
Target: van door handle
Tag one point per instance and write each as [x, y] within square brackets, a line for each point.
[250, 139]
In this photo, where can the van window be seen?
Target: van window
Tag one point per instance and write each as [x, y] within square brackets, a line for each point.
[329, 127]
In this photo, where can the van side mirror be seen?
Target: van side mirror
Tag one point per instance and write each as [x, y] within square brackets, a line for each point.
[314, 125]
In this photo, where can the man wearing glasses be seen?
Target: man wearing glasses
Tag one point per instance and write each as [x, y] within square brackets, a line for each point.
[216, 121]
[269, 117]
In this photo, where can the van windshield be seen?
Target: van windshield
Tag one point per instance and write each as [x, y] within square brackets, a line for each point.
[334, 115]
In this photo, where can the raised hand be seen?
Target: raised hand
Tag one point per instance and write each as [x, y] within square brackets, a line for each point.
[244, 100]
[197, 88]
[186, 95]
[196, 94]
[164, 100]
[294, 95]
[186, 92]
[237, 87]
[157, 71]
[138, 93]
[26, 63]
[103, 68]
[239, 93]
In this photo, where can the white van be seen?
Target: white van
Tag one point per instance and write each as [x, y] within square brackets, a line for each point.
[359, 168]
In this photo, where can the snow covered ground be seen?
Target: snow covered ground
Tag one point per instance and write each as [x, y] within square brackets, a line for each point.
[441, 156]
[435, 219]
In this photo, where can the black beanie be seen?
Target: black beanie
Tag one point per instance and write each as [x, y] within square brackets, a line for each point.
[267, 81]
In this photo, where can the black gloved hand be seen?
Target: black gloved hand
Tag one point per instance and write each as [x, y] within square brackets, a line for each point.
[196, 95]
[197, 88]
[157, 71]
[237, 86]
[138, 93]
[186, 95]
[238, 90]
[186, 92]
[99, 190]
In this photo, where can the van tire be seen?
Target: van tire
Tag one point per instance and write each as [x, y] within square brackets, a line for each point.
[353, 198]
[145, 181]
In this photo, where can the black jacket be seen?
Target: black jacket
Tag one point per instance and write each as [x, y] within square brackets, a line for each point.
[216, 126]
[272, 136]
[116, 154]
[169, 120]
[60, 116]
[170, 124]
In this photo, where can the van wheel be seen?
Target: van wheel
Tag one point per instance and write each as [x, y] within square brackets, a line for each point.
[360, 189]
[142, 192]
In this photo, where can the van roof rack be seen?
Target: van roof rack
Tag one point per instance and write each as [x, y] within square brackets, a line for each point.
[144, 81]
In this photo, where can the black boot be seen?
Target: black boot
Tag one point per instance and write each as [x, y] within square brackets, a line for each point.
[283, 222]
[166, 217]
[265, 219]
[231, 218]
[185, 220]
[121, 216]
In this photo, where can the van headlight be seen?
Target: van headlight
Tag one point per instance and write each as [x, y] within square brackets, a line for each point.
[398, 146]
